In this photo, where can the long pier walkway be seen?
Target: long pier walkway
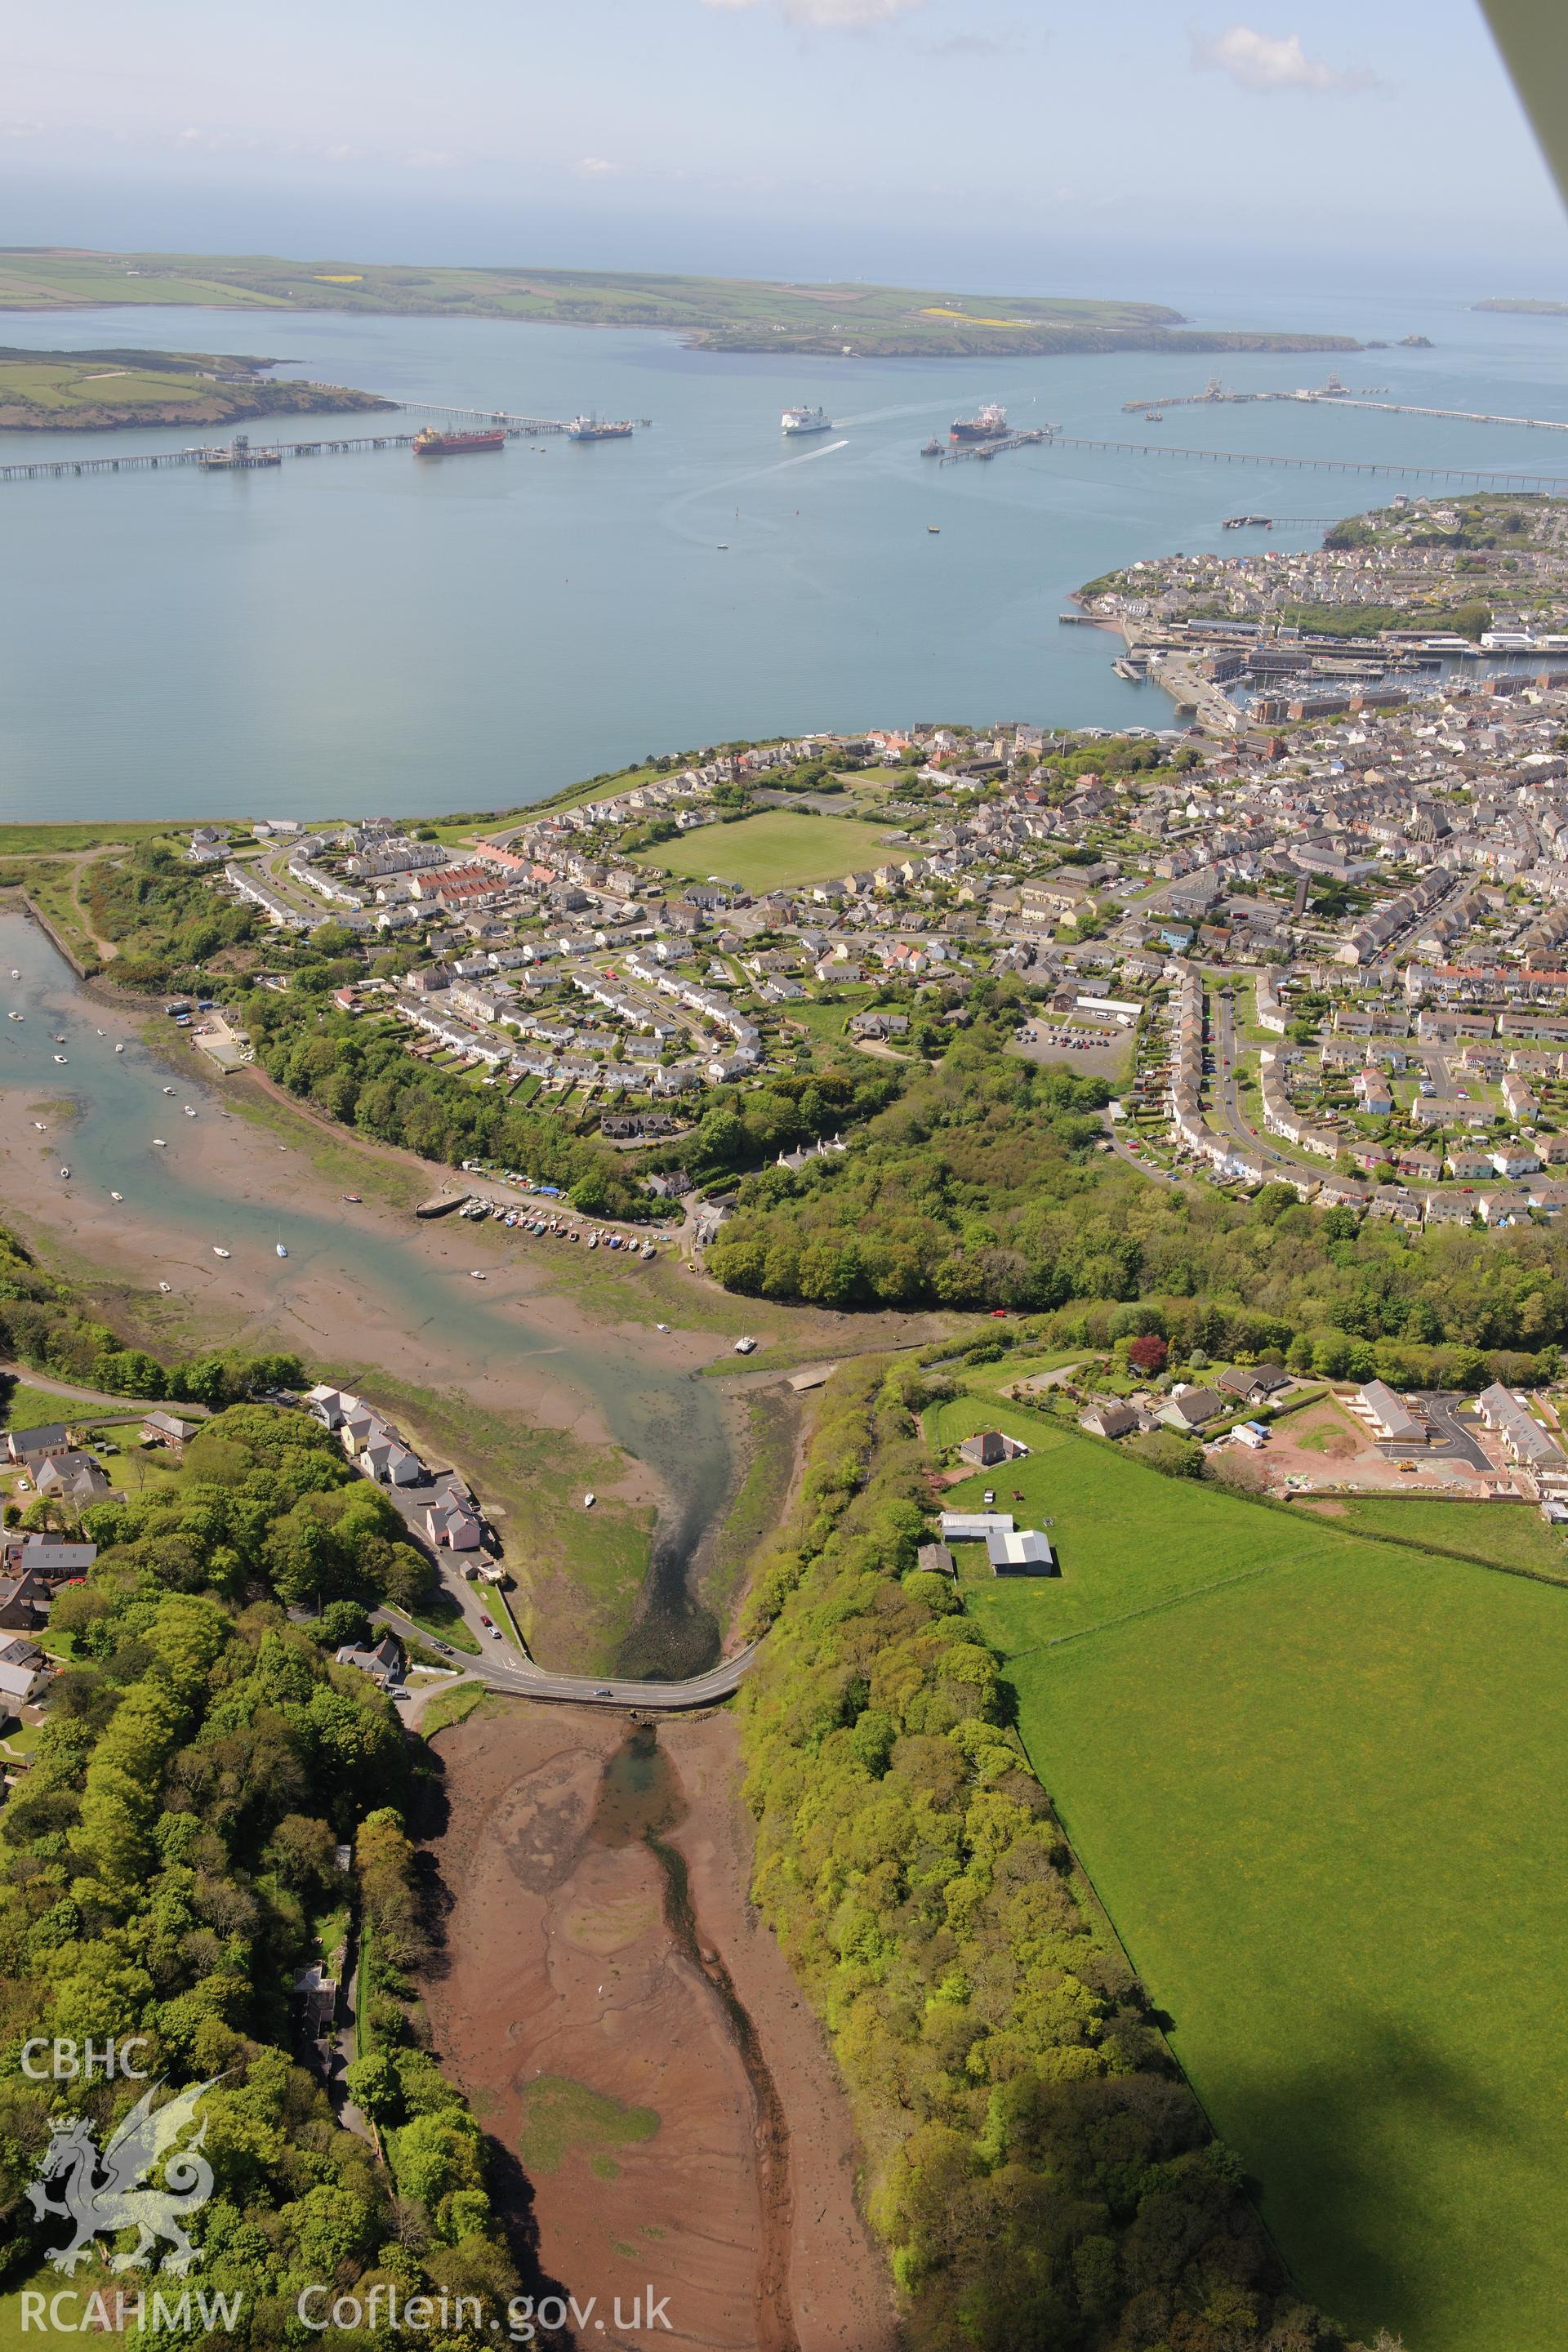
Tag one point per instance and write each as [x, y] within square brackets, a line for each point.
[1334, 396]
[1479, 481]
[151, 461]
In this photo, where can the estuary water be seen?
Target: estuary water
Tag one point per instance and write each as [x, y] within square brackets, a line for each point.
[375, 634]
[406, 1308]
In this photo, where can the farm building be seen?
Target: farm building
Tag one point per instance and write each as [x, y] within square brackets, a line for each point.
[1026, 1553]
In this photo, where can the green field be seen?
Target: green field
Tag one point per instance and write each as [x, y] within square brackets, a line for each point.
[1313, 1777]
[731, 314]
[778, 850]
[89, 390]
[1512, 1535]
[46, 840]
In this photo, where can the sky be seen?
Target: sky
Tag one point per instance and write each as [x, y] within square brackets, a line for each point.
[1018, 144]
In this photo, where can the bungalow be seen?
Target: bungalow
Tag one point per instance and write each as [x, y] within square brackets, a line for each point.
[167, 1428]
[1106, 1417]
[1026, 1553]
[1524, 1440]
[383, 1665]
[1392, 1421]
[1253, 1383]
[35, 1446]
[47, 1556]
[989, 1446]
[1189, 1408]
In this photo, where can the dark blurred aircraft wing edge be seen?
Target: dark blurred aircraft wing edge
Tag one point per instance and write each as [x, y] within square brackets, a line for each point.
[1533, 37]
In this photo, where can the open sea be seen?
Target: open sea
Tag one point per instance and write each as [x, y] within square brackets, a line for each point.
[372, 633]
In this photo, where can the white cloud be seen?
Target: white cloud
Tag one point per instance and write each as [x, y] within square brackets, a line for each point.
[1265, 62]
[595, 167]
[836, 15]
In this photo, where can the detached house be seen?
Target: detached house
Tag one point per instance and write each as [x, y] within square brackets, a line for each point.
[988, 1447]
[1190, 1409]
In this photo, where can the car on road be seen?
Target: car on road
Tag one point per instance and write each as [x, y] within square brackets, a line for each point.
[495, 1633]
[603, 1694]
[445, 1648]
[486, 1621]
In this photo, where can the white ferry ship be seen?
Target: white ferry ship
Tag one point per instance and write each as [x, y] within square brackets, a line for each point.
[806, 420]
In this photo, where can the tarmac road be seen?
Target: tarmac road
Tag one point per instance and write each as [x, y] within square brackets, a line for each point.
[519, 1677]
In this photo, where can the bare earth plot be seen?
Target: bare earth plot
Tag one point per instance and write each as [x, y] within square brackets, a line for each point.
[1317, 1785]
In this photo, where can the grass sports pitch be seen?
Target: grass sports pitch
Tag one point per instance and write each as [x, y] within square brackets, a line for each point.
[776, 850]
[1316, 1781]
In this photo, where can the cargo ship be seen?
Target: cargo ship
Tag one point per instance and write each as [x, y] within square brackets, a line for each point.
[595, 428]
[986, 425]
[806, 420]
[428, 443]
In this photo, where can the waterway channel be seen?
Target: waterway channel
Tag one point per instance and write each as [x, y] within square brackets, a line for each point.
[378, 634]
[183, 1199]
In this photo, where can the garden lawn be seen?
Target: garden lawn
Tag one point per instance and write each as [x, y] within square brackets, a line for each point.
[1323, 1806]
[778, 849]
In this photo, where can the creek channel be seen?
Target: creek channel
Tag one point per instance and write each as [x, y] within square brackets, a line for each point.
[182, 1200]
